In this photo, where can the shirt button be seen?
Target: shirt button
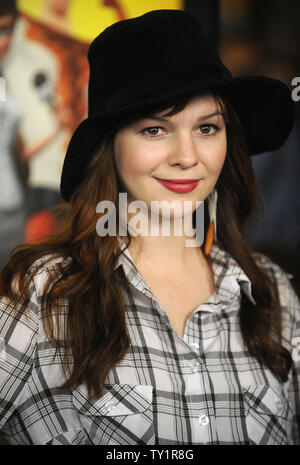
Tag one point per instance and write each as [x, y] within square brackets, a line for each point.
[203, 420]
[196, 366]
[195, 345]
[109, 406]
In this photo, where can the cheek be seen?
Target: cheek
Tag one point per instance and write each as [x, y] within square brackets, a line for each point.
[129, 169]
[216, 156]
[132, 162]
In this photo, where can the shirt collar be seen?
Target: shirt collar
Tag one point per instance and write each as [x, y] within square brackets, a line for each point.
[224, 263]
[227, 272]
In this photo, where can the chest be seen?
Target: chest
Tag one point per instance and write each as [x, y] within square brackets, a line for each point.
[180, 295]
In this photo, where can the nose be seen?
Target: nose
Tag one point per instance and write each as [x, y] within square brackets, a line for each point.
[184, 151]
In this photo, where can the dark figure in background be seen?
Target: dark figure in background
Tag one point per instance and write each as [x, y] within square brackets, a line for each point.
[270, 46]
[277, 232]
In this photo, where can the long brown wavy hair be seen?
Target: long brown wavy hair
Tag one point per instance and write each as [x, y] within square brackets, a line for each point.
[95, 332]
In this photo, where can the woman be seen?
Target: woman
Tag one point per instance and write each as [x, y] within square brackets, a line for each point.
[141, 339]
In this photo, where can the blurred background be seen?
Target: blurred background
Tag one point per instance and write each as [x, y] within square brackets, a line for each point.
[43, 46]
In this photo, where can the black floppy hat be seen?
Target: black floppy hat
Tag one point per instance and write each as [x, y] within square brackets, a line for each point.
[141, 62]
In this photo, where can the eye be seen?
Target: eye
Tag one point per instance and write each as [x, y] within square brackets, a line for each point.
[208, 129]
[153, 131]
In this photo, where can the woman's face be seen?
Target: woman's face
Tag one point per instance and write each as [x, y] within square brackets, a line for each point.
[190, 145]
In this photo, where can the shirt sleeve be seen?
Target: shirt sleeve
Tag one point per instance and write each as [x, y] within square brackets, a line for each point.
[290, 307]
[290, 310]
[18, 339]
[294, 387]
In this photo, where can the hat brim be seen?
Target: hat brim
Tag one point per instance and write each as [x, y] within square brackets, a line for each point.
[264, 107]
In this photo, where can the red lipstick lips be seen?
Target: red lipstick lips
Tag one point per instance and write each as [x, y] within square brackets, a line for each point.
[181, 186]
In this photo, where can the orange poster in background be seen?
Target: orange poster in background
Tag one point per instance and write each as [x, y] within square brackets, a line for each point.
[54, 35]
[84, 20]
[47, 71]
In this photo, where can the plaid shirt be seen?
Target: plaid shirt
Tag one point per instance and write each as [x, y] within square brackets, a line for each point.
[202, 388]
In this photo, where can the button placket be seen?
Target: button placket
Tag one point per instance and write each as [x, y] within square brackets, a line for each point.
[195, 366]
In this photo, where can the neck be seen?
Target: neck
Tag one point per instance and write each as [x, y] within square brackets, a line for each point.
[163, 238]
[167, 251]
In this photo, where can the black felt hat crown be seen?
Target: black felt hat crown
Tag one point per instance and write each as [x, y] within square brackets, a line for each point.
[141, 62]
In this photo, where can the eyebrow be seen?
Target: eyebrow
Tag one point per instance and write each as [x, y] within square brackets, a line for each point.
[202, 118]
